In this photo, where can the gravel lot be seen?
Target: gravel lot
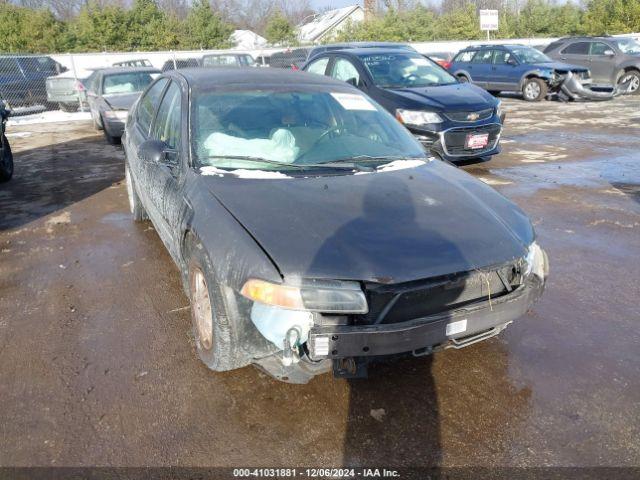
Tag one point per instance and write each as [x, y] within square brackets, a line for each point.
[98, 368]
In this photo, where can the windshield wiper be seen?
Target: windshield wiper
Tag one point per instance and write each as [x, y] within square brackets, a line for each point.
[299, 166]
[376, 159]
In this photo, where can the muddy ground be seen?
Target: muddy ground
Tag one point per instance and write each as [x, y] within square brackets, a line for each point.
[97, 366]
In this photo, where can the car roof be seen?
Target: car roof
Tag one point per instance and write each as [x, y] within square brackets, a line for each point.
[360, 52]
[201, 78]
[110, 70]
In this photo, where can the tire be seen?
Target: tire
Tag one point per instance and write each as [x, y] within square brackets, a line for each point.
[634, 77]
[98, 125]
[534, 89]
[138, 212]
[463, 79]
[111, 140]
[68, 107]
[6, 162]
[213, 330]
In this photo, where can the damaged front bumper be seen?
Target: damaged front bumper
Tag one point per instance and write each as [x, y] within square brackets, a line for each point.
[455, 329]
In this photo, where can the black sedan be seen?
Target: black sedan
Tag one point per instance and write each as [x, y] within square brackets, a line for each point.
[312, 231]
[453, 120]
[112, 92]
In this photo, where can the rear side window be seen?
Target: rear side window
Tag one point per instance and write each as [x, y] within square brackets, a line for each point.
[465, 56]
[8, 65]
[483, 56]
[578, 48]
[319, 67]
[148, 104]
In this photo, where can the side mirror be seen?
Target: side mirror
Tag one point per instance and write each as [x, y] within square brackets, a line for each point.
[355, 82]
[157, 152]
[609, 53]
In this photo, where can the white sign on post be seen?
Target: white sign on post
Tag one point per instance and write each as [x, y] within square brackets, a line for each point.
[488, 20]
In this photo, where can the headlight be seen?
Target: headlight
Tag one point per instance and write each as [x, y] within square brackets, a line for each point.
[327, 296]
[116, 114]
[417, 117]
[537, 261]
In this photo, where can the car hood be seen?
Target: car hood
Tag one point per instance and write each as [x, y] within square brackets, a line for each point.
[389, 226]
[560, 67]
[121, 102]
[459, 96]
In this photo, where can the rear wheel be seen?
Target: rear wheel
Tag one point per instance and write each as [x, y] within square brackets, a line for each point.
[463, 79]
[111, 140]
[633, 77]
[6, 162]
[534, 89]
[138, 212]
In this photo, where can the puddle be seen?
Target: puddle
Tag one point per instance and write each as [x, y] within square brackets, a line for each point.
[613, 170]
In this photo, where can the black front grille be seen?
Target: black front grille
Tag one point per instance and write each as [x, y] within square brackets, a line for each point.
[456, 138]
[469, 116]
[419, 299]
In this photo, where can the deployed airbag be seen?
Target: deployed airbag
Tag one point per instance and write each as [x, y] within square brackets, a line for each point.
[280, 147]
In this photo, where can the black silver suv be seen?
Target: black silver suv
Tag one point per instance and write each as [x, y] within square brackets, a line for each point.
[611, 60]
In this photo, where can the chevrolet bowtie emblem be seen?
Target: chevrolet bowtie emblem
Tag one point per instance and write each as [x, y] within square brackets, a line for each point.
[473, 116]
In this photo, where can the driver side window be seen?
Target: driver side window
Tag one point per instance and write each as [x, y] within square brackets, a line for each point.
[598, 48]
[501, 57]
[345, 70]
[167, 126]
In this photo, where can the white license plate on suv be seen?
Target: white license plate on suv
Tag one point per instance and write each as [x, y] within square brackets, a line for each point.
[476, 141]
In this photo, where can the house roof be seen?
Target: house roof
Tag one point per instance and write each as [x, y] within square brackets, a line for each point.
[323, 23]
[247, 40]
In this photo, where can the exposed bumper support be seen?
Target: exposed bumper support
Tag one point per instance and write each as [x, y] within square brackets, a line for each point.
[480, 321]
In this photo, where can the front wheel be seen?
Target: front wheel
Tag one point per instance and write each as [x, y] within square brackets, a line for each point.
[463, 79]
[633, 79]
[68, 107]
[534, 89]
[213, 328]
[6, 162]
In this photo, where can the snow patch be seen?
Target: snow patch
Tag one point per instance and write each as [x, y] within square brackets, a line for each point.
[54, 116]
[242, 173]
[400, 165]
[19, 134]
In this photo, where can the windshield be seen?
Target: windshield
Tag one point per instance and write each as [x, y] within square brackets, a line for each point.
[629, 46]
[126, 83]
[294, 129]
[530, 55]
[405, 70]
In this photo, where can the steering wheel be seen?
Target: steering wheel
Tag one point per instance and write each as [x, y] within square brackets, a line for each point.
[335, 129]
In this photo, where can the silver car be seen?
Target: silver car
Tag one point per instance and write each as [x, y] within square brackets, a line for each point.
[611, 60]
[112, 93]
